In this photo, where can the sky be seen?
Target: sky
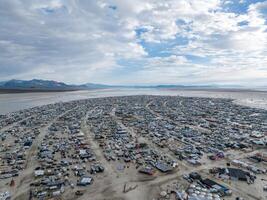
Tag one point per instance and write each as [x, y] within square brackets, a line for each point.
[135, 42]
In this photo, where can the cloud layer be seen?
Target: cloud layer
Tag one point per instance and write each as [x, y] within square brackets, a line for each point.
[135, 42]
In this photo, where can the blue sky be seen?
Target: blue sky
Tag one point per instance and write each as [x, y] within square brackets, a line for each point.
[135, 42]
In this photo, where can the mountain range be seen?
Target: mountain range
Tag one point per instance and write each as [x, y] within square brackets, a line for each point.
[38, 84]
[50, 85]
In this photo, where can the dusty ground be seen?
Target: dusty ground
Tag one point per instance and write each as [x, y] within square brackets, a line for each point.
[111, 184]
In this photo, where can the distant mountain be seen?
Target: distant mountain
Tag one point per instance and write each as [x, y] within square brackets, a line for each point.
[183, 86]
[2, 83]
[35, 83]
[45, 85]
[170, 86]
[96, 86]
[50, 85]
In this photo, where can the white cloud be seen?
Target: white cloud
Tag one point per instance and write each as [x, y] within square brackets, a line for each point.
[81, 41]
